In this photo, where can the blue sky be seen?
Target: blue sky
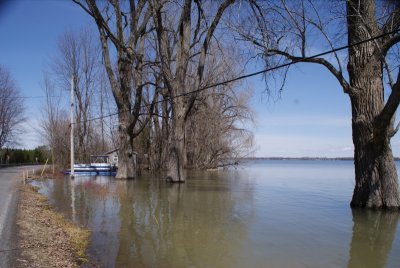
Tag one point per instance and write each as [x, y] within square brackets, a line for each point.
[312, 117]
[29, 33]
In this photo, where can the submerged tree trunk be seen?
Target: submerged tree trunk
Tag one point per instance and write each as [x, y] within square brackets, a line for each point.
[126, 157]
[175, 160]
[375, 171]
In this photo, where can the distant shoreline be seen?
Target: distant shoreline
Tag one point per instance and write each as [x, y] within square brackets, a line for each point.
[307, 158]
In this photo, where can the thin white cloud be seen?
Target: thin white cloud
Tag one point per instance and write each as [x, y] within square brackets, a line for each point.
[303, 120]
[292, 145]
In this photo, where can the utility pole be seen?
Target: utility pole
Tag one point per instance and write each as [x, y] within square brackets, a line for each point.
[72, 127]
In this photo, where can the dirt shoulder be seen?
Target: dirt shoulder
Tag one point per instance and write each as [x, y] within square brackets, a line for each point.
[46, 239]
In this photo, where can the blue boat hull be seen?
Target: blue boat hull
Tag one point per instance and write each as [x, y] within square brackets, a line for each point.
[93, 170]
[91, 173]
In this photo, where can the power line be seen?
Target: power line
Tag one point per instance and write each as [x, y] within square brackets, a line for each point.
[256, 73]
[37, 97]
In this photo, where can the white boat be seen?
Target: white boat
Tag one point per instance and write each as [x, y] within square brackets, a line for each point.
[100, 165]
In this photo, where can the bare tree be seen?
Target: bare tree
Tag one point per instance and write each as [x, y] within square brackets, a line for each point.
[55, 125]
[285, 32]
[79, 58]
[11, 109]
[216, 133]
[124, 26]
[178, 44]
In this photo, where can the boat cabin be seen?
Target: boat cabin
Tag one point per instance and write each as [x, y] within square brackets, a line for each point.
[112, 157]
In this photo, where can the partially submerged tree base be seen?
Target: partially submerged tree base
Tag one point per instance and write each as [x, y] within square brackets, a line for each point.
[378, 193]
[169, 179]
[127, 168]
[175, 158]
[370, 206]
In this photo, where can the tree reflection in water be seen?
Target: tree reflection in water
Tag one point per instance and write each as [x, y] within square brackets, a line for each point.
[373, 235]
[178, 224]
[228, 219]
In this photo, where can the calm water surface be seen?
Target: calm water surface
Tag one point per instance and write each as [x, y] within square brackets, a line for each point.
[266, 214]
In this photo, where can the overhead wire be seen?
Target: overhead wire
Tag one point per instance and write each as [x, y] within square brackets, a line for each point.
[292, 62]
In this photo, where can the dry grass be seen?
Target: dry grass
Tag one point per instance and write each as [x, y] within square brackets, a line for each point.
[78, 237]
[47, 238]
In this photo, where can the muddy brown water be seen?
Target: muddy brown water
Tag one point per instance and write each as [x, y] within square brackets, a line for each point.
[264, 214]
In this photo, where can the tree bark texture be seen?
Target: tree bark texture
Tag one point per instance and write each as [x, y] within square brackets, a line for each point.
[177, 146]
[126, 157]
[375, 170]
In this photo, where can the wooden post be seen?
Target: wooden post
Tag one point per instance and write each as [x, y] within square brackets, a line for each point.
[41, 174]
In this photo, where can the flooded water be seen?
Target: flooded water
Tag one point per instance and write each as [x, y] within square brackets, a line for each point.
[266, 214]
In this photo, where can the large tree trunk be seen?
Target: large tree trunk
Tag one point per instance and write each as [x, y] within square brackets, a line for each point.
[177, 144]
[375, 171]
[126, 158]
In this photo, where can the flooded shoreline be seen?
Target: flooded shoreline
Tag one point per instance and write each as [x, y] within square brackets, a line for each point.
[273, 213]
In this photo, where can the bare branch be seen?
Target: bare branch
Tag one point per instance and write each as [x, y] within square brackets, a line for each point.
[203, 52]
[390, 43]
[94, 12]
[390, 107]
[393, 21]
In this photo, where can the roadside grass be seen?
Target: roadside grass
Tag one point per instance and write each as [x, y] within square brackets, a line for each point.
[76, 236]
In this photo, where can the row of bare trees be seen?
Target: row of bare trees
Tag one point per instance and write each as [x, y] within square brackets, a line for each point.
[161, 55]
[148, 94]
[160, 60]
